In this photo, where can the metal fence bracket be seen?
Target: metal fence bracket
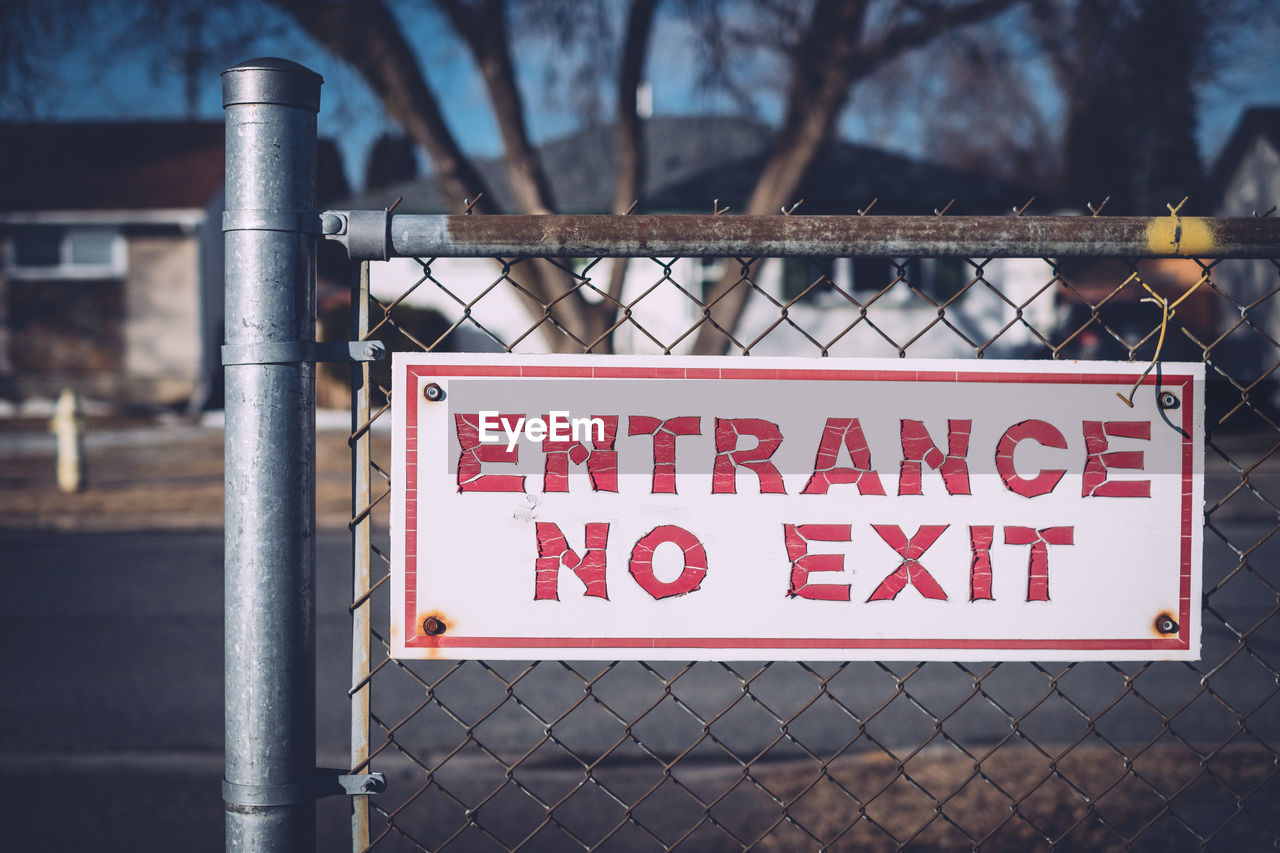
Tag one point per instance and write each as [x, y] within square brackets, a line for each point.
[327, 783]
[305, 352]
[289, 221]
[366, 234]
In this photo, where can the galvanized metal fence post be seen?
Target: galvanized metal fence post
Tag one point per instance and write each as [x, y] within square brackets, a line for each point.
[270, 224]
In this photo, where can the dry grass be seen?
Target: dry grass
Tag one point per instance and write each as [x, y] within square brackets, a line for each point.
[153, 479]
[1021, 799]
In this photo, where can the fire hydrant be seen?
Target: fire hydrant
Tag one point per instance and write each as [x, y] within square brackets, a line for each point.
[67, 427]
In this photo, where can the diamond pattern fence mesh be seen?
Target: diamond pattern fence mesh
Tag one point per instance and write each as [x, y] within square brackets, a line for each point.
[561, 755]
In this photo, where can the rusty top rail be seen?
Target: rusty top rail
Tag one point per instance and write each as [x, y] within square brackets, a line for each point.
[371, 235]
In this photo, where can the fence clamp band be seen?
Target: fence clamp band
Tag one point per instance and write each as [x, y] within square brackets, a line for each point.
[302, 352]
[365, 233]
[327, 783]
[292, 221]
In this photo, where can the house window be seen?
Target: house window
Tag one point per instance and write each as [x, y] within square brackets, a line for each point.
[709, 272]
[48, 251]
[799, 273]
[936, 278]
[871, 275]
[943, 278]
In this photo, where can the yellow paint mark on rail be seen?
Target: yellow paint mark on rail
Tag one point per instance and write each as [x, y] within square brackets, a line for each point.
[1187, 236]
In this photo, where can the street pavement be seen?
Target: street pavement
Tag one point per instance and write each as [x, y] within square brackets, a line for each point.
[113, 708]
[114, 664]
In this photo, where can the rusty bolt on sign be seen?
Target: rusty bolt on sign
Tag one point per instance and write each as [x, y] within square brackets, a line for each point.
[1169, 400]
[1166, 625]
[433, 627]
[433, 392]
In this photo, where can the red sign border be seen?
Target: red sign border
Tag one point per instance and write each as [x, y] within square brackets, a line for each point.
[414, 373]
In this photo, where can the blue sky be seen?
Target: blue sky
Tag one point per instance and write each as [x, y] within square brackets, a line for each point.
[136, 83]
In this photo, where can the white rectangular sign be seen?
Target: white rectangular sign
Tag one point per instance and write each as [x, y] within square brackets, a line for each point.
[769, 508]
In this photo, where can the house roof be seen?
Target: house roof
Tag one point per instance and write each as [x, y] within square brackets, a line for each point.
[695, 160]
[127, 166]
[1254, 123]
[110, 165]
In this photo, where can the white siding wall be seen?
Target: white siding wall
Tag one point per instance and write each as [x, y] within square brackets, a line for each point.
[162, 327]
[667, 314]
[1254, 187]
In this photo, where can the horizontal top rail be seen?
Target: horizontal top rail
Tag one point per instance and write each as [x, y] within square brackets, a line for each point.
[371, 235]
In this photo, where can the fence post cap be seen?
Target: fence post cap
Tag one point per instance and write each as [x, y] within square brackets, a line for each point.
[271, 80]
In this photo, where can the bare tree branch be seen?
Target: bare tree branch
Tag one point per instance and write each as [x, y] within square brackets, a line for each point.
[913, 34]
[366, 35]
[484, 29]
[629, 140]
[831, 56]
[629, 137]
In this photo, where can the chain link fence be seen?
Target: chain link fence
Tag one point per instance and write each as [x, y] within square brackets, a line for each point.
[557, 755]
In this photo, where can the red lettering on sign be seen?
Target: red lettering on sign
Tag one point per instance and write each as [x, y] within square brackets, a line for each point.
[918, 447]
[1098, 460]
[846, 431]
[1038, 565]
[602, 460]
[980, 537]
[473, 453]
[695, 561]
[909, 571]
[664, 445]
[1038, 431]
[553, 550]
[797, 538]
[767, 436]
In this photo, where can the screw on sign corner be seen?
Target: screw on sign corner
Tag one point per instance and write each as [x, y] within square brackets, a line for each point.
[1166, 624]
[1169, 400]
[433, 626]
[433, 392]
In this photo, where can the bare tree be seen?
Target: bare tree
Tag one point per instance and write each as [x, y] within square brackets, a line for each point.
[826, 47]
[1127, 69]
[629, 139]
[366, 34]
[1119, 116]
[835, 50]
[975, 100]
[187, 40]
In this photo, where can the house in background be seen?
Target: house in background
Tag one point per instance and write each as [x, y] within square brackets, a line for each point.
[1247, 171]
[111, 258]
[1246, 176]
[108, 232]
[111, 275]
[695, 162]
